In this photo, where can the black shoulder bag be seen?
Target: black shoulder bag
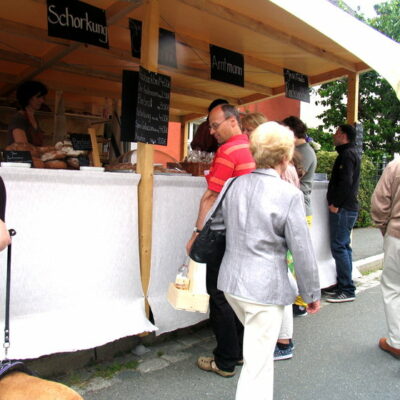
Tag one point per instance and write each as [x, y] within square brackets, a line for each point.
[209, 243]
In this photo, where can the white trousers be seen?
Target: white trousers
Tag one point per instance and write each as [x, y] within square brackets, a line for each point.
[261, 328]
[286, 331]
[390, 283]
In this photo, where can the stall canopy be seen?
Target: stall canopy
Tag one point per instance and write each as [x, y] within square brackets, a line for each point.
[314, 38]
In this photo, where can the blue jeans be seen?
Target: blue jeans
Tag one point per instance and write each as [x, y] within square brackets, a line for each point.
[340, 226]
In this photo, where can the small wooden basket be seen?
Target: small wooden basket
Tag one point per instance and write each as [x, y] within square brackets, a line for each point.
[187, 300]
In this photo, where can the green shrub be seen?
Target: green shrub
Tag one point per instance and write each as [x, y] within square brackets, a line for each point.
[326, 160]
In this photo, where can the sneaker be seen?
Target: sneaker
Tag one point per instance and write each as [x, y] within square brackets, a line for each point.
[383, 344]
[340, 298]
[299, 311]
[283, 354]
[329, 291]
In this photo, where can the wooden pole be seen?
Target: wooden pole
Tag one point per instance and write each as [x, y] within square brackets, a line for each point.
[95, 149]
[184, 136]
[352, 98]
[145, 158]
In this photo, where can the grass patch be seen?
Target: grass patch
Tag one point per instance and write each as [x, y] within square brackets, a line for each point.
[160, 353]
[110, 370]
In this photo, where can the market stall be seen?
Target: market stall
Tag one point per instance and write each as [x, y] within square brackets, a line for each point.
[75, 265]
[91, 227]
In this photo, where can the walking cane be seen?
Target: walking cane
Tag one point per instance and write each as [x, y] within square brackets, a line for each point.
[6, 344]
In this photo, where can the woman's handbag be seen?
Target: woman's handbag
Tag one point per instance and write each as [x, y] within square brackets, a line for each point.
[209, 243]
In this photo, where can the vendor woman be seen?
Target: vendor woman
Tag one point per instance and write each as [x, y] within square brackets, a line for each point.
[24, 128]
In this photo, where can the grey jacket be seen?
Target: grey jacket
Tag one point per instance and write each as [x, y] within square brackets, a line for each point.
[264, 217]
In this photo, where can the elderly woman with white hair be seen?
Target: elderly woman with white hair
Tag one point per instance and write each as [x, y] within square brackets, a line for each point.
[264, 219]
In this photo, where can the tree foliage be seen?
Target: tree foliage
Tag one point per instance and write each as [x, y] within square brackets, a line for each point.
[379, 108]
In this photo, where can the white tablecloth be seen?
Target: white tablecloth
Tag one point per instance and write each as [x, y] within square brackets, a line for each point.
[75, 260]
[176, 202]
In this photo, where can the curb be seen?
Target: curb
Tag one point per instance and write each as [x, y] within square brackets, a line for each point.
[369, 264]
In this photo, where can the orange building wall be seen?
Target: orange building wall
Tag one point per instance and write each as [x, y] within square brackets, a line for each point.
[277, 108]
[174, 141]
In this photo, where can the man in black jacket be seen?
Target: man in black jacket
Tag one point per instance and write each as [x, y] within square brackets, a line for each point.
[343, 210]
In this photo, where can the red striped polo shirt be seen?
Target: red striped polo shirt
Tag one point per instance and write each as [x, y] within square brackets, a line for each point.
[233, 158]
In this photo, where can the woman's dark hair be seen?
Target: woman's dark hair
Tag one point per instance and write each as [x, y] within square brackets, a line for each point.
[28, 89]
[298, 127]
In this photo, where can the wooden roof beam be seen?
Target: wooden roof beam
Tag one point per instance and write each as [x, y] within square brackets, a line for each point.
[318, 79]
[235, 18]
[197, 44]
[114, 13]
[116, 77]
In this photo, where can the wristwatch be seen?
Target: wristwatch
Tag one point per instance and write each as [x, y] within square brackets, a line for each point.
[196, 230]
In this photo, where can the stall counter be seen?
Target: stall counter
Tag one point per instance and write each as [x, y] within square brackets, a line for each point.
[75, 260]
[176, 202]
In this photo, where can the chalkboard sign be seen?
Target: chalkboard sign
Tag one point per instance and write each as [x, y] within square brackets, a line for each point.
[17, 156]
[227, 66]
[359, 137]
[81, 141]
[166, 43]
[145, 107]
[296, 85]
[76, 20]
[83, 161]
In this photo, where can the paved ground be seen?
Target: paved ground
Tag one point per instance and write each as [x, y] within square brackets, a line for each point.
[336, 357]
[366, 242]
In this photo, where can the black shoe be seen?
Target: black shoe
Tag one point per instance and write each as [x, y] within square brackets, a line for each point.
[340, 298]
[329, 291]
[299, 311]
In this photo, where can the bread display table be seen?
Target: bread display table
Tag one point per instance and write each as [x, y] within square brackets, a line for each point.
[75, 269]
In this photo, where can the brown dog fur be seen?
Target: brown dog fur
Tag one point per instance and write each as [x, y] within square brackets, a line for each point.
[20, 386]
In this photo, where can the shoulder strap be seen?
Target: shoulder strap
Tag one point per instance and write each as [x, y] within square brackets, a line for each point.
[222, 198]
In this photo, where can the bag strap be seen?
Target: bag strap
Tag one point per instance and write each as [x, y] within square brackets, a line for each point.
[6, 344]
[222, 198]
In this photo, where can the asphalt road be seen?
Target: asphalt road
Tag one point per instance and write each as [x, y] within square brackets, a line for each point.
[336, 357]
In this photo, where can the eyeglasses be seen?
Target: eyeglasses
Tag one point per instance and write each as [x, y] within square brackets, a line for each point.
[215, 125]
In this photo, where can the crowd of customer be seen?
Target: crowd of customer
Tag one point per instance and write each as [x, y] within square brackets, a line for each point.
[268, 271]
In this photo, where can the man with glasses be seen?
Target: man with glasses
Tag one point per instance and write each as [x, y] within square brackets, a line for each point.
[233, 158]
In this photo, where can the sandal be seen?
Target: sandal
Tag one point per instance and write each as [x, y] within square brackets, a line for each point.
[208, 364]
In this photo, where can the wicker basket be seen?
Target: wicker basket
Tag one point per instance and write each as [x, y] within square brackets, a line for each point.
[195, 168]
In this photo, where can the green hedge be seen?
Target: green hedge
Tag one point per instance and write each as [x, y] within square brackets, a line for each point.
[367, 182]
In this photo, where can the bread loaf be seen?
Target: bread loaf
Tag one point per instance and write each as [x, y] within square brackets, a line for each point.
[53, 155]
[55, 164]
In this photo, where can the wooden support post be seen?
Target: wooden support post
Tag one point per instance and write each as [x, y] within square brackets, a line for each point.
[352, 98]
[145, 158]
[184, 136]
[95, 148]
[60, 122]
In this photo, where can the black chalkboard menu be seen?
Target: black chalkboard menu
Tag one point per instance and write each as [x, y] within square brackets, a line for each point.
[145, 107]
[296, 85]
[81, 141]
[359, 137]
[17, 156]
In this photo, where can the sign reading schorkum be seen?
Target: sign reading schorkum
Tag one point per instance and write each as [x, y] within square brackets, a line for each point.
[75, 20]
